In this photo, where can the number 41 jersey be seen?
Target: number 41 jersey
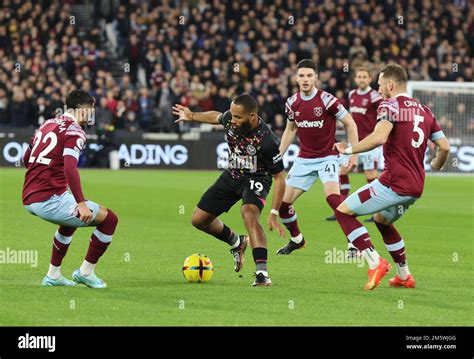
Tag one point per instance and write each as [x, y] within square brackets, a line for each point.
[404, 152]
[56, 138]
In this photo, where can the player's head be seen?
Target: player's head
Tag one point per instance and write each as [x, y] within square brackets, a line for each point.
[362, 77]
[244, 110]
[306, 75]
[393, 80]
[81, 105]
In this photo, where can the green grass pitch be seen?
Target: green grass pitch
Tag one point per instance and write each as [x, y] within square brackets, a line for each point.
[143, 265]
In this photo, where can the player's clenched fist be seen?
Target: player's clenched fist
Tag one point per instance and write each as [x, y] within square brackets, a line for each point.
[184, 113]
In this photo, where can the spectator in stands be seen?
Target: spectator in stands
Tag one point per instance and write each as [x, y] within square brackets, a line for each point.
[214, 51]
[19, 109]
[4, 107]
[145, 112]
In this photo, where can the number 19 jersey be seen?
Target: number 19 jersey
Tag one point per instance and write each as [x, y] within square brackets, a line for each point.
[404, 151]
[56, 138]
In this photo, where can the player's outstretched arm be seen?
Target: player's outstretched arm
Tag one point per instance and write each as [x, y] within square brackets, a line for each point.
[278, 192]
[185, 114]
[442, 154]
[351, 129]
[74, 183]
[375, 139]
[352, 136]
[288, 136]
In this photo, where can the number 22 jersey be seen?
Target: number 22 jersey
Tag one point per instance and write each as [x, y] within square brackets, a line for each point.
[56, 138]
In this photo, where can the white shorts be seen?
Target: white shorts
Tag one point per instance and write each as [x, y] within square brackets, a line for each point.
[61, 210]
[375, 197]
[306, 171]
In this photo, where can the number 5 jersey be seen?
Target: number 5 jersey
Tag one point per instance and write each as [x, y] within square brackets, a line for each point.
[404, 151]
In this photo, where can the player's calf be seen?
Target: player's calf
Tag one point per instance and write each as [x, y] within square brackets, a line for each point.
[250, 215]
[289, 219]
[99, 242]
[358, 235]
[396, 247]
[345, 185]
[61, 242]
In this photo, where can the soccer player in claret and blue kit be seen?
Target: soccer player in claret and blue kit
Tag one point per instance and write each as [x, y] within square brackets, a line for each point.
[51, 168]
[404, 127]
[312, 115]
[363, 104]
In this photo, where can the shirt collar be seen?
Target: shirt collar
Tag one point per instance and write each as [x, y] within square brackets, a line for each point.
[310, 96]
[363, 92]
[70, 115]
[404, 94]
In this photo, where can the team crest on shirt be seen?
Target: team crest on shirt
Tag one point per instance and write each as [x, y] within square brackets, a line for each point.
[365, 101]
[318, 111]
[251, 150]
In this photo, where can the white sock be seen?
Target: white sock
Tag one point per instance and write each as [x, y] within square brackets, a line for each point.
[54, 272]
[372, 257]
[87, 268]
[237, 242]
[298, 239]
[265, 273]
[402, 270]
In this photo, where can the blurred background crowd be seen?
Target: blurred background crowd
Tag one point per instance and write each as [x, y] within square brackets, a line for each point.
[137, 58]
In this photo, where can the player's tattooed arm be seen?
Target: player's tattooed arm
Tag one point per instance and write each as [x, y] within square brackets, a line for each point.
[288, 136]
[375, 139]
[278, 192]
[442, 154]
[185, 114]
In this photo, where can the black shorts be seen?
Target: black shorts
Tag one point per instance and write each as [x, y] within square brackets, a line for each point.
[226, 191]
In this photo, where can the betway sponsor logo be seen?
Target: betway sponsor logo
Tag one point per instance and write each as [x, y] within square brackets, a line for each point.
[355, 109]
[310, 124]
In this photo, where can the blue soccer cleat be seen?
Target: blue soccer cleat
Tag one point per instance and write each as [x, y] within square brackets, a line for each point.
[92, 281]
[61, 281]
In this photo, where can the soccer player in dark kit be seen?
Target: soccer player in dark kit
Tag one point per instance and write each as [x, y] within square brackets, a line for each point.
[254, 158]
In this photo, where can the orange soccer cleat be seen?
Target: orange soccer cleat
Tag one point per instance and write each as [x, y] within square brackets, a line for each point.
[376, 274]
[397, 282]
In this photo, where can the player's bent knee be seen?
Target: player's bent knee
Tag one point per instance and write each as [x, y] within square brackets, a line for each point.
[344, 209]
[113, 218]
[379, 218]
[197, 222]
[200, 219]
[100, 217]
[251, 217]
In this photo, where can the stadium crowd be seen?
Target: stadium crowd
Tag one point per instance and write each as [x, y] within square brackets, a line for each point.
[203, 52]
